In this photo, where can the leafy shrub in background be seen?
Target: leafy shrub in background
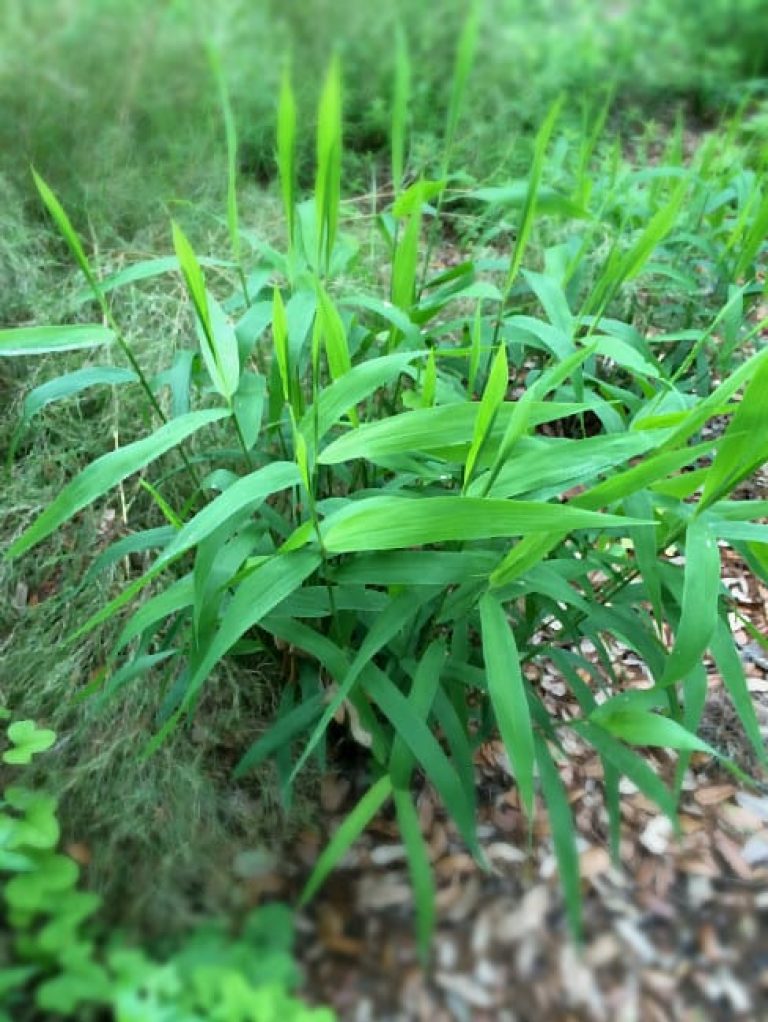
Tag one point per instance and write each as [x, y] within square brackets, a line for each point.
[51, 955]
[424, 490]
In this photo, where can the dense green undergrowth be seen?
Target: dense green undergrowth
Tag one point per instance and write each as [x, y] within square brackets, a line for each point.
[423, 474]
[56, 958]
[374, 454]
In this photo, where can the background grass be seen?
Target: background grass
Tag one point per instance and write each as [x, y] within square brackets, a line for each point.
[121, 125]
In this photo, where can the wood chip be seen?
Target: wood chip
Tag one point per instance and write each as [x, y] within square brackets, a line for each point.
[715, 794]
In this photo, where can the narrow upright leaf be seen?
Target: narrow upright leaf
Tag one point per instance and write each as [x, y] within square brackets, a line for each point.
[345, 836]
[563, 835]
[508, 697]
[286, 151]
[493, 396]
[328, 179]
[698, 618]
[400, 100]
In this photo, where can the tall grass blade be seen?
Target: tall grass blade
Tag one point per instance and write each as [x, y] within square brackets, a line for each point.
[390, 523]
[528, 212]
[563, 835]
[400, 101]
[465, 55]
[346, 834]
[286, 153]
[46, 340]
[744, 445]
[328, 177]
[506, 689]
[107, 471]
[698, 618]
[493, 396]
[218, 339]
[230, 134]
[67, 231]
[419, 868]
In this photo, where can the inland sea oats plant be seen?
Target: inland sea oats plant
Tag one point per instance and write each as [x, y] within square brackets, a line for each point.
[426, 486]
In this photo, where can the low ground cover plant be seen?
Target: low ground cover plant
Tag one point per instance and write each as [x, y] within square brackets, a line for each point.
[55, 955]
[418, 484]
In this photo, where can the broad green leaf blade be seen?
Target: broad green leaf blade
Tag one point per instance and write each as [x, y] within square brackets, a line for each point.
[226, 350]
[631, 765]
[420, 870]
[67, 386]
[417, 568]
[524, 555]
[334, 336]
[744, 446]
[563, 835]
[346, 835]
[218, 341]
[649, 471]
[44, 340]
[249, 491]
[193, 277]
[335, 400]
[698, 618]
[145, 269]
[493, 396]
[254, 598]
[433, 429]
[508, 697]
[405, 264]
[641, 727]
[389, 523]
[248, 407]
[549, 467]
[179, 595]
[107, 471]
[714, 403]
[731, 668]
[63, 387]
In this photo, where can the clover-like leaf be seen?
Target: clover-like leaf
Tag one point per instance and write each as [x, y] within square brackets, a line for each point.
[28, 740]
[39, 891]
[39, 828]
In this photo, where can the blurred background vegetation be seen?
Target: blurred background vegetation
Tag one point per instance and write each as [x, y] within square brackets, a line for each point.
[114, 100]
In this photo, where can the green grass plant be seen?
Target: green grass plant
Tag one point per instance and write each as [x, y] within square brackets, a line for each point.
[425, 485]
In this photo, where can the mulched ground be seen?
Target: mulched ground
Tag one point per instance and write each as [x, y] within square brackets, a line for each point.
[678, 932]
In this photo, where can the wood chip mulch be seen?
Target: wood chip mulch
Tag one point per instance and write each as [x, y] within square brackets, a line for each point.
[677, 931]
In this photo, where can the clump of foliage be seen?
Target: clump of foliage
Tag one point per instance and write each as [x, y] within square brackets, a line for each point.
[423, 490]
[55, 956]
